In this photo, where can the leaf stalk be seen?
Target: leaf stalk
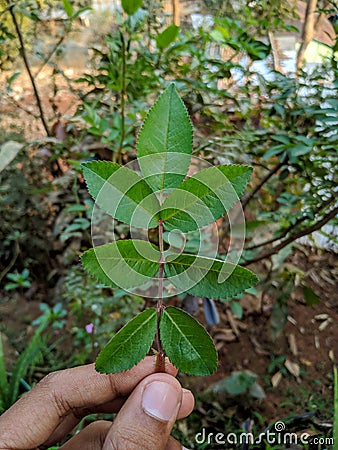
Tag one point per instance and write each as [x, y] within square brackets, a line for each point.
[160, 360]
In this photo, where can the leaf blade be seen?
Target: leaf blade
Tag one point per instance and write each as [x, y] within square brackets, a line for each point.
[164, 143]
[126, 263]
[164, 39]
[8, 152]
[131, 6]
[122, 193]
[205, 277]
[130, 345]
[204, 197]
[186, 343]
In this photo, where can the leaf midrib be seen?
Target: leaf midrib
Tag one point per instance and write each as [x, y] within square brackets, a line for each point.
[177, 211]
[186, 339]
[166, 144]
[151, 213]
[200, 267]
[137, 329]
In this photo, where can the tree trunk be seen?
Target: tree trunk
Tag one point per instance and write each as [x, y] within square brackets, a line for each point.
[176, 12]
[275, 54]
[308, 31]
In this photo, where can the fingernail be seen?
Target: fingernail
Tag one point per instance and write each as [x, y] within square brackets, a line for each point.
[160, 400]
[185, 448]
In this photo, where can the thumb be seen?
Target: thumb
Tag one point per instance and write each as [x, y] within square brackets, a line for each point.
[147, 417]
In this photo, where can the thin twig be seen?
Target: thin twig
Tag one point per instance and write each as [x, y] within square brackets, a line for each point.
[316, 226]
[18, 105]
[49, 56]
[294, 225]
[160, 360]
[118, 156]
[26, 63]
[12, 261]
[263, 181]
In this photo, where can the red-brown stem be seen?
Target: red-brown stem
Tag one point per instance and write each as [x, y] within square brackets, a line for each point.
[160, 360]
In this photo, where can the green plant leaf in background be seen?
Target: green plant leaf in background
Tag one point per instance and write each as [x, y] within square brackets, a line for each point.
[129, 345]
[244, 382]
[164, 39]
[205, 277]
[122, 193]
[310, 297]
[126, 264]
[67, 6]
[8, 152]
[204, 197]
[164, 143]
[131, 6]
[186, 343]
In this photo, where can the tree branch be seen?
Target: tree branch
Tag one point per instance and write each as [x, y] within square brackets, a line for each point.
[308, 31]
[263, 181]
[26, 63]
[294, 225]
[316, 226]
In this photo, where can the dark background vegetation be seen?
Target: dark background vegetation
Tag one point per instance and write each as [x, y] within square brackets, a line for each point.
[75, 85]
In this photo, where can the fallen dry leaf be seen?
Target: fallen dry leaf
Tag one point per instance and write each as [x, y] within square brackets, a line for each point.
[324, 324]
[293, 344]
[292, 367]
[276, 379]
[226, 337]
[321, 316]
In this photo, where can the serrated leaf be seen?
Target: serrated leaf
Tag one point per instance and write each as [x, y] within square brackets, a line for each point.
[8, 152]
[164, 39]
[130, 345]
[164, 143]
[204, 197]
[126, 264]
[122, 193]
[131, 6]
[186, 343]
[205, 277]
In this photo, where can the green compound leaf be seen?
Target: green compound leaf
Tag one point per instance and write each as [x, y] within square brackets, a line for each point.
[186, 343]
[125, 264]
[129, 345]
[164, 143]
[204, 197]
[122, 193]
[205, 277]
[131, 6]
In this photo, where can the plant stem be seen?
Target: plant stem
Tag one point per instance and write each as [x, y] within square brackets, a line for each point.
[335, 404]
[263, 181]
[26, 63]
[293, 237]
[118, 156]
[295, 224]
[160, 360]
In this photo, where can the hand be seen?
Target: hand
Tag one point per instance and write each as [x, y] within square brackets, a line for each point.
[148, 403]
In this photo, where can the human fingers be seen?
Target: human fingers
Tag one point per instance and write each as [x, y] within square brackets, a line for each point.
[147, 417]
[90, 438]
[56, 404]
[93, 436]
